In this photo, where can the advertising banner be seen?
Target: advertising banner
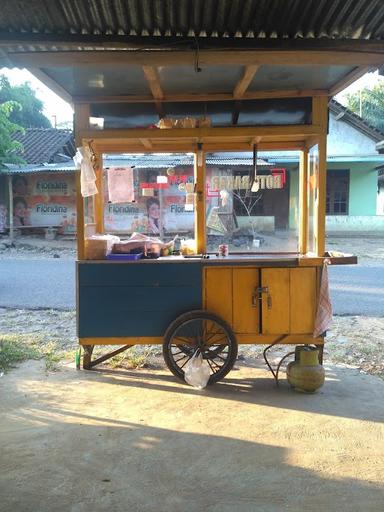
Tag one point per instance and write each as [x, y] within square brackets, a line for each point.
[45, 200]
[160, 205]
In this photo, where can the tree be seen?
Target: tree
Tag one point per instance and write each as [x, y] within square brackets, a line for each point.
[369, 103]
[9, 148]
[30, 114]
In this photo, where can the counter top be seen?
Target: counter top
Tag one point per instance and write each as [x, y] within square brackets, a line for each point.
[288, 259]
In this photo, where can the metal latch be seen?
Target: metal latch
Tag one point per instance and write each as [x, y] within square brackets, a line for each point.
[257, 294]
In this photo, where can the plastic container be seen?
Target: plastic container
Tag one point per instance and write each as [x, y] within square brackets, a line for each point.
[125, 257]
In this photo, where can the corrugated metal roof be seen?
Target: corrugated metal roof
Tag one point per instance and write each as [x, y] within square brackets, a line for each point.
[164, 161]
[345, 114]
[156, 161]
[340, 19]
[31, 169]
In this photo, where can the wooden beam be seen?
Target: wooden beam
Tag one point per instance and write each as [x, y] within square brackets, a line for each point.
[207, 134]
[303, 202]
[200, 201]
[124, 147]
[150, 58]
[66, 40]
[175, 98]
[98, 199]
[146, 143]
[81, 122]
[349, 78]
[243, 84]
[321, 198]
[153, 80]
[52, 84]
[320, 112]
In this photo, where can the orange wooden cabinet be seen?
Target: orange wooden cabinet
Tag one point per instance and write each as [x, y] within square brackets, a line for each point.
[263, 300]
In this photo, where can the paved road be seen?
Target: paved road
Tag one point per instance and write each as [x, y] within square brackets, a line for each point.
[47, 283]
[358, 289]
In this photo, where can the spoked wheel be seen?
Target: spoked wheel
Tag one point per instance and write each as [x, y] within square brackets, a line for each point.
[201, 332]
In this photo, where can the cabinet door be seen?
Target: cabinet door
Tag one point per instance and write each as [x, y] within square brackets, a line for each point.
[289, 300]
[218, 292]
[275, 301]
[246, 305]
[303, 299]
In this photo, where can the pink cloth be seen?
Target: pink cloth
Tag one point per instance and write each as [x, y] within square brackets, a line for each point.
[324, 305]
[120, 185]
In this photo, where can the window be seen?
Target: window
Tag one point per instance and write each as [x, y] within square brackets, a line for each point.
[258, 218]
[337, 192]
[160, 202]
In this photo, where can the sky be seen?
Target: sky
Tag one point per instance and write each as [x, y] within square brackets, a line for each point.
[57, 109]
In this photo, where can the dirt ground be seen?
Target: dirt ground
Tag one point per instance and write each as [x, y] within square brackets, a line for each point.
[79, 441]
[121, 439]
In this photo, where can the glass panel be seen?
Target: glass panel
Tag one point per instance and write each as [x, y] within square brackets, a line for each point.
[261, 218]
[159, 195]
[313, 175]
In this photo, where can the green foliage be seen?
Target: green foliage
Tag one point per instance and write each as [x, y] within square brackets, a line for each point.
[371, 104]
[9, 147]
[30, 114]
[13, 350]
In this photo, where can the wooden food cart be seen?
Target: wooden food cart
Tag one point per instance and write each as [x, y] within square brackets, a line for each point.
[207, 303]
[257, 75]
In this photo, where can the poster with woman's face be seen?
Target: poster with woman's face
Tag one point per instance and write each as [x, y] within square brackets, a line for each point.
[44, 200]
[159, 205]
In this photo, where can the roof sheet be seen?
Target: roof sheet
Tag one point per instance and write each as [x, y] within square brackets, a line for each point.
[45, 145]
[197, 18]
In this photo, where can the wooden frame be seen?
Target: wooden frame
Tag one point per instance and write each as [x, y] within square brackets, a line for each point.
[200, 140]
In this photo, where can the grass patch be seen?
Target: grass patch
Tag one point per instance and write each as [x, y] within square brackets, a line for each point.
[132, 358]
[17, 348]
[14, 350]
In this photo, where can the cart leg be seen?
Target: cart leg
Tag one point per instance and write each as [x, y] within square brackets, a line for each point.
[321, 351]
[88, 349]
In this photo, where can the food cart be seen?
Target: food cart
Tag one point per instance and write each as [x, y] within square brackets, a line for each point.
[263, 293]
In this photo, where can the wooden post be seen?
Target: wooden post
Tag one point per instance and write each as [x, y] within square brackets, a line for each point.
[321, 197]
[303, 202]
[81, 122]
[10, 193]
[320, 118]
[200, 227]
[98, 199]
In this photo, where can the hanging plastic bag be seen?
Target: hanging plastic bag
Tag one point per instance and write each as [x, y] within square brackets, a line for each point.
[87, 174]
[197, 371]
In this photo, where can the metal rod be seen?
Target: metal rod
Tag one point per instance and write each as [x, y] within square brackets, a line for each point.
[103, 358]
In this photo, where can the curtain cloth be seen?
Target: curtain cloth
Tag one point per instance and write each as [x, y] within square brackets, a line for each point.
[324, 306]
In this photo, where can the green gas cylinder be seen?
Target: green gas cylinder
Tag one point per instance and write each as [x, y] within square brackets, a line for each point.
[306, 373]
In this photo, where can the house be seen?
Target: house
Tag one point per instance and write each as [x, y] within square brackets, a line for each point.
[353, 204]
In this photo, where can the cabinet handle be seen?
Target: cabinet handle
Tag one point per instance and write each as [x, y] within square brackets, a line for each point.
[269, 301]
[254, 298]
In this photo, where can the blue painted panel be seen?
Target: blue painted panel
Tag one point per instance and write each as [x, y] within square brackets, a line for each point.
[142, 303]
[139, 274]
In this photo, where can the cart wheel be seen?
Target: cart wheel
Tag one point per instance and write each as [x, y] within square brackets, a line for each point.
[203, 331]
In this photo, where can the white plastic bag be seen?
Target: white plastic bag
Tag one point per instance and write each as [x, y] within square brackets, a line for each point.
[87, 173]
[196, 372]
